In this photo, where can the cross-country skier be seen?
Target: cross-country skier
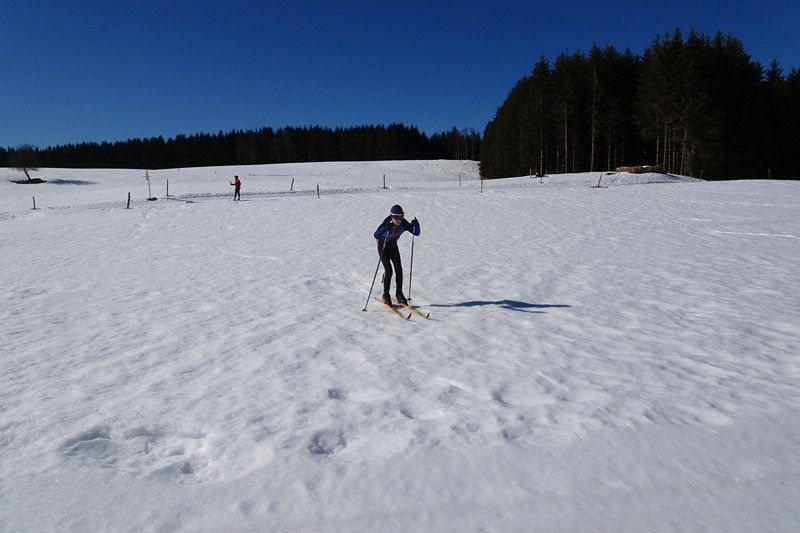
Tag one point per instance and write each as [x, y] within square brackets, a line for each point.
[387, 234]
[236, 186]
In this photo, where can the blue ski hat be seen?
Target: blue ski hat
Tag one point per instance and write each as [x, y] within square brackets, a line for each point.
[396, 210]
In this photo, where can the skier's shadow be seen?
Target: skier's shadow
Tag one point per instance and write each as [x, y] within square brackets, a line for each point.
[512, 305]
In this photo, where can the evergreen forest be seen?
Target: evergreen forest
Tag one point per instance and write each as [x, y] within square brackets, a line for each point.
[697, 106]
[252, 147]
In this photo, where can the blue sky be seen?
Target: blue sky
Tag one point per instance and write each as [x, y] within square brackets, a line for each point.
[95, 71]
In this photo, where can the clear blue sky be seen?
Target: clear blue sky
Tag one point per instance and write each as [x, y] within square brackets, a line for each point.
[111, 70]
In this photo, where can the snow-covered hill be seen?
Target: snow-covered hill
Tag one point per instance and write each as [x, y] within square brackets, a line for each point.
[614, 359]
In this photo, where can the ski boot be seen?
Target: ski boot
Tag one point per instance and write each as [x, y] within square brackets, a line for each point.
[401, 299]
[387, 299]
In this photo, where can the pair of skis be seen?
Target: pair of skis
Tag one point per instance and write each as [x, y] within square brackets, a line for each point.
[394, 309]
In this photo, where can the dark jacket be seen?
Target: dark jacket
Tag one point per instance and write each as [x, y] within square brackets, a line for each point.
[387, 233]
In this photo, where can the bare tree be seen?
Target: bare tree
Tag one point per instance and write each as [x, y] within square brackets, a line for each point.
[25, 159]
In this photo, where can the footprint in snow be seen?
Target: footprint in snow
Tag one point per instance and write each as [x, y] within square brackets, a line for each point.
[327, 442]
[499, 397]
[141, 451]
[337, 394]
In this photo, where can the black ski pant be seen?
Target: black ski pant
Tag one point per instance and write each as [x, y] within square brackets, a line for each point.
[391, 255]
[236, 195]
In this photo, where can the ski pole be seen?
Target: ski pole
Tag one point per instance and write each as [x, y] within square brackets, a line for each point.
[373, 283]
[411, 268]
[376, 272]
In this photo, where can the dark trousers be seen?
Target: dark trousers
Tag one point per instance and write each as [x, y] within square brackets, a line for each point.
[389, 256]
[236, 195]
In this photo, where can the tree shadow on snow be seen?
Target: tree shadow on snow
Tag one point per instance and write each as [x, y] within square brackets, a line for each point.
[71, 182]
[512, 305]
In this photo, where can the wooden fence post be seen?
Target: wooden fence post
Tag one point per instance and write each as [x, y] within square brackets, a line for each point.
[317, 190]
[291, 188]
[129, 201]
[34, 202]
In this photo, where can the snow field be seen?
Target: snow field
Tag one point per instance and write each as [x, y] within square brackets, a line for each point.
[603, 359]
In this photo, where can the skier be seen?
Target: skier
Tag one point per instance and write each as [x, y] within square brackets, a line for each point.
[236, 186]
[387, 234]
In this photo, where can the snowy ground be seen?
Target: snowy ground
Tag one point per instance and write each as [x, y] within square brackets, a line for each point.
[615, 359]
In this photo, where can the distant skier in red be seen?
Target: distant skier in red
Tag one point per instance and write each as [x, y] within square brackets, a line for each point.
[236, 186]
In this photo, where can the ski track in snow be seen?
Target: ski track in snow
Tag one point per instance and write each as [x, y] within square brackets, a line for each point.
[593, 354]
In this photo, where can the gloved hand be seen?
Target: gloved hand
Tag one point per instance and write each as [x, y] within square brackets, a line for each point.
[415, 222]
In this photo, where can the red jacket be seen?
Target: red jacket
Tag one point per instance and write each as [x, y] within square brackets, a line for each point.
[237, 183]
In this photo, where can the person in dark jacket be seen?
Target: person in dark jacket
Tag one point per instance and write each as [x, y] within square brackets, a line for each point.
[387, 234]
[236, 186]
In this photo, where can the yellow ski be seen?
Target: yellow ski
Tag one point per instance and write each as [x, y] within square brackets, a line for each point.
[392, 309]
[415, 310]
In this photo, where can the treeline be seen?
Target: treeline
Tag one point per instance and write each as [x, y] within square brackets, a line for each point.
[697, 106]
[250, 147]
